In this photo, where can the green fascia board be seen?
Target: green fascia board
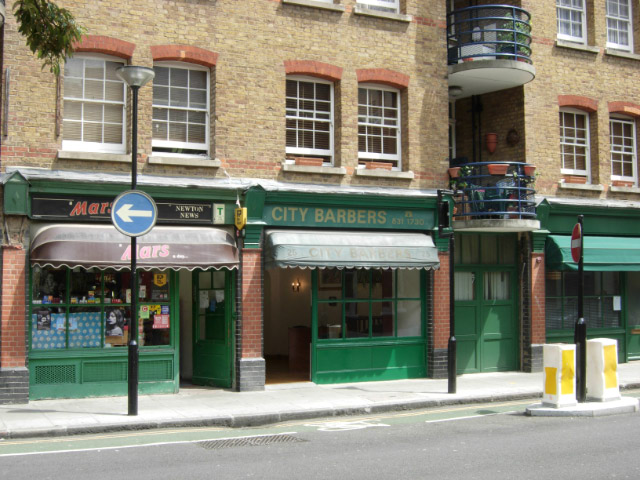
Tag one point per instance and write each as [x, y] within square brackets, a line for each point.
[598, 220]
[601, 254]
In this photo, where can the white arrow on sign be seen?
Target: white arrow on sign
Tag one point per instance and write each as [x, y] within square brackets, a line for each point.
[125, 213]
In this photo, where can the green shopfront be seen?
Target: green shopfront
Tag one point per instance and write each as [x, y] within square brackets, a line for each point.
[611, 271]
[348, 279]
[79, 317]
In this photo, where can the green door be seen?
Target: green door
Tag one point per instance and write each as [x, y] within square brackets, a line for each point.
[486, 320]
[212, 313]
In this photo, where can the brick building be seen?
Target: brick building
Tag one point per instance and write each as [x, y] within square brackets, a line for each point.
[334, 123]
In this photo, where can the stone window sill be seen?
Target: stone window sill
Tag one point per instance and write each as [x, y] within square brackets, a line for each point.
[94, 156]
[581, 186]
[577, 46]
[184, 161]
[363, 10]
[379, 172]
[290, 167]
[617, 189]
[313, 4]
[621, 53]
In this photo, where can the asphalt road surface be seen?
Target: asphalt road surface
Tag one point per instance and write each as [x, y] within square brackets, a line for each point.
[492, 441]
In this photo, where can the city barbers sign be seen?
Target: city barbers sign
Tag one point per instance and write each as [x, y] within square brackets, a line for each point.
[98, 209]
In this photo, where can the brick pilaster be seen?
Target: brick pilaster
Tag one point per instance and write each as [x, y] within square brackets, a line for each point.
[439, 340]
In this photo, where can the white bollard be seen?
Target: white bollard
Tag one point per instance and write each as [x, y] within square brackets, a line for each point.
[559, 375]
[602, 370]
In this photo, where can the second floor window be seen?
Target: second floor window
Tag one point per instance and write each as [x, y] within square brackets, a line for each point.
[309, 114]
[571, 20]
[379, 124]
[619, 24]
[180, 110]
[574, 142]
[93, 111]
[390, 6]
[622, 134]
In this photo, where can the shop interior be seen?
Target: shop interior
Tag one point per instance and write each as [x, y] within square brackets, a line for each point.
[287, 325]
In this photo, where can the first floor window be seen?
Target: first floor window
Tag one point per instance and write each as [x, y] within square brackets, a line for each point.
[89, 308]
[361, 304]
[622, 134]
[619, 24]
[309, 114]
[379, 124]
[571, 20]
[391, 6]
[180, 110]
[574, 142]
[602, 299]
[94, 101]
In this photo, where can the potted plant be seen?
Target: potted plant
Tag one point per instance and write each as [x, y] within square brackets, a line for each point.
[529, 170]
[454, 172]
[498, 168]
[517, 37]
[491, 142]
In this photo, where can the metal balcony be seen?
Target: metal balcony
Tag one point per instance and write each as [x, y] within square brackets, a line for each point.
[494, 197]
[489, 49]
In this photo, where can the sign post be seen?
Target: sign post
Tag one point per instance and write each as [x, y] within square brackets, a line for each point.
[580, 333]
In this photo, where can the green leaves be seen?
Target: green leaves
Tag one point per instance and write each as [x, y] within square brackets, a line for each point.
[50, 31]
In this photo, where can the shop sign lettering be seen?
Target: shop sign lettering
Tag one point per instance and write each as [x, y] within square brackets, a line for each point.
[147, 251]
[356, 254]
[349, 217]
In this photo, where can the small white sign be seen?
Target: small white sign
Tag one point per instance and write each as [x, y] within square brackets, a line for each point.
[617, 303]
[218, 213]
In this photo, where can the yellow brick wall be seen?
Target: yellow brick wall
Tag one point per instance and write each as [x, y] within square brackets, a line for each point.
[252, 38]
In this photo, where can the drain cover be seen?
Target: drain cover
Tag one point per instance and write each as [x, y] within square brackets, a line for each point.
[248, 441]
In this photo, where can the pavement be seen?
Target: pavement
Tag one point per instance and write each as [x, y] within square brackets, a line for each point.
[202, 406]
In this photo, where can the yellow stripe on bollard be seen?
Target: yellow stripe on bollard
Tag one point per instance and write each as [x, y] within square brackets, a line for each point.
[568, 372]
[550, 380]
[610, 367]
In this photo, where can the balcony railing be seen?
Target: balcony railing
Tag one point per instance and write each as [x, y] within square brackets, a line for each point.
[494, 190]
[489, 32]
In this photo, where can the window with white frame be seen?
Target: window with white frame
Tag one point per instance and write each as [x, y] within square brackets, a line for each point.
[571, 20]
[309, 118]
[379, 124]
[390, 6]
[94, 105]
[622, 134]
[180, 109]
[574, 142]
[619, 31]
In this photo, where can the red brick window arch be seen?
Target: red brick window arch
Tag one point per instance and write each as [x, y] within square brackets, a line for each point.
[182, 100]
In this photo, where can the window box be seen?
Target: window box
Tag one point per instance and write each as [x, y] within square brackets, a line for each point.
[309, 161]
[574, 179]
[498, 168]
[622, 183]
[382, 165]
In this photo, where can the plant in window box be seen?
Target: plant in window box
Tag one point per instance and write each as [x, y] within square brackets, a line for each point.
[518, 37]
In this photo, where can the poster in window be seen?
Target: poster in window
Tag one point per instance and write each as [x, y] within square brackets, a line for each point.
[44, 319]
[161, 321]
[115, 323]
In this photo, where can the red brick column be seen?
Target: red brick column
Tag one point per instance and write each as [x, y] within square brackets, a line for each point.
[13, 349]
[440, 331]
[538, 334]
[251, 364]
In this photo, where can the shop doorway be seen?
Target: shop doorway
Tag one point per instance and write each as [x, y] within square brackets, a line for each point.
[212, 333]
[287, 325]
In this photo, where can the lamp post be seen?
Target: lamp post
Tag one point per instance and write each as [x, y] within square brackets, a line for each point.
[135, 77]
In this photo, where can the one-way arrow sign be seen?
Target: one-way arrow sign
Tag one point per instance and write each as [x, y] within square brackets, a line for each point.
[134, 213]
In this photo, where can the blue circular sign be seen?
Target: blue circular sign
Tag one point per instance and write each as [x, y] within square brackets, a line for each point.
[134, 213]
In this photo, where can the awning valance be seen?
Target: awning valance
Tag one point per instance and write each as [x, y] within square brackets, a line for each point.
[601, 254]
[102, 246]
[348, 249]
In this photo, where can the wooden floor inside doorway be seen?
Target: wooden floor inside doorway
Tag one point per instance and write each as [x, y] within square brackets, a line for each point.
[278, 371]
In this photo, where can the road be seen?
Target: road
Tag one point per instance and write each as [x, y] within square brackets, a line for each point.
[492, 441]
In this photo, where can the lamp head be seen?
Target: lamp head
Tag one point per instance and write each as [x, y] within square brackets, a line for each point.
[135, 76]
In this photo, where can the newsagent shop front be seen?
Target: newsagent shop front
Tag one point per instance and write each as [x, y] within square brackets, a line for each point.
[79, 298]
[352, 276]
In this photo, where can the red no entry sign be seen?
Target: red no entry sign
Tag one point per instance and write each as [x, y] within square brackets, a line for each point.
[576, 240]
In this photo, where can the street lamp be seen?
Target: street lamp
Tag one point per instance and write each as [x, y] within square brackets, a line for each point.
[135, 77]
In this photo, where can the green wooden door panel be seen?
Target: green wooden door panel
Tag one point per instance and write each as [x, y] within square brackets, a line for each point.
[633, 346]
[466, 356]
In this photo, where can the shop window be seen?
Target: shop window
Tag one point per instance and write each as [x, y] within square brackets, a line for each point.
[89, 308]
[602, 300]
[309, 118]
[571, 17]
[181, 110]
[379, 125]
[94, 101]
[361, 304]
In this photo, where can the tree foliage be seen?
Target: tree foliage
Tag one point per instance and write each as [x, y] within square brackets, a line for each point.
[50, 31]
